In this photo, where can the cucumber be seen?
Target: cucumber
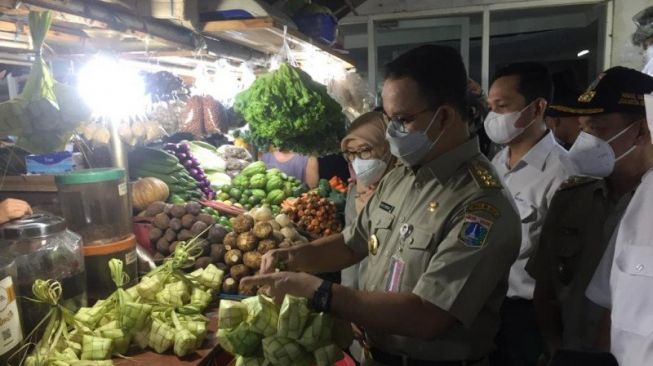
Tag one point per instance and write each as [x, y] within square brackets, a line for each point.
[167, 179]
[160, 168]
[148, 154]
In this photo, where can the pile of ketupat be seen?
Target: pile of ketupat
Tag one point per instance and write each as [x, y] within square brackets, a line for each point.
[164, 311]
[260, 333]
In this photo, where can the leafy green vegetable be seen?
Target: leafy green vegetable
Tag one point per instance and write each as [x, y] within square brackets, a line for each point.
[291, 111]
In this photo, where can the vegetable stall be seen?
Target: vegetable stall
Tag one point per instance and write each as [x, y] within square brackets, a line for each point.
[143, 159]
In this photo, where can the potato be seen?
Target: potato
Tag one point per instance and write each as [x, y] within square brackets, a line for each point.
[167, 208]
[252, 260]
[278, 236]
[193, 208]
[239, 271]
[178, 211]
[161, 221]
[275, 225]
[217, 234]
[184, 235]
[206, 218]
[230, 286]
[206, 248]
[262, 230]
[202, 262]
[163, 246]
[223, 267]
[243, 223]
[266, 245]
[170, 235]
[198, 227]
[158, 257]
[217, 252]
[233, 257]
[187, 221]
[175, 224]
[155, 234]
[155, 208]
[247, 242]
[285, 244]
[230, 240]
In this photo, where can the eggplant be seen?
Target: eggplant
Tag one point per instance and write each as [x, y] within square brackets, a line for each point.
[184, 148]
[182, 156]
[188, 164]
[194, 172]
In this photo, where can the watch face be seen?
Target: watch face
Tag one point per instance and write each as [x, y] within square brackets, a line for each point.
[323, 301]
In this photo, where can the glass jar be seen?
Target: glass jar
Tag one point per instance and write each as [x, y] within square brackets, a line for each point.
[11, 331]
[96, 205]
[44, 249]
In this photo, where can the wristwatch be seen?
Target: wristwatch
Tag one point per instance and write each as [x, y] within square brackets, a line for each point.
[322, 297]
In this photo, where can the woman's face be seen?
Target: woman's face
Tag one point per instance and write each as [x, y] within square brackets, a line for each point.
[362, 150]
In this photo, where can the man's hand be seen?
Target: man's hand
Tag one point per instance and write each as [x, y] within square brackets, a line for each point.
[281, 259]
[278, 285]
[13, 209]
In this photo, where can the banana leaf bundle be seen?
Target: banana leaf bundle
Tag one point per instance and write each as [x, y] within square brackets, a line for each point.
[46, 113]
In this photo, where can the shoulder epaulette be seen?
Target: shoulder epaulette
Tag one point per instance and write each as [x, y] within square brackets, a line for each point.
[577, 181]
[484, 175]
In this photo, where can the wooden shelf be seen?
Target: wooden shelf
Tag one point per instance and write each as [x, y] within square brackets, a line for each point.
[266, 35]
[28, 183]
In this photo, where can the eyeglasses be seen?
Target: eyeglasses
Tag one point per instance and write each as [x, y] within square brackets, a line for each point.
[364, 153]
[400, 122]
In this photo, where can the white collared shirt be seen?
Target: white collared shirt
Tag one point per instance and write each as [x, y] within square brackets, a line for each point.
[623, 280]
[532, 183]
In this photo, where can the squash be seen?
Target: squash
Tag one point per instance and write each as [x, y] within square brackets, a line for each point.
[146, 191]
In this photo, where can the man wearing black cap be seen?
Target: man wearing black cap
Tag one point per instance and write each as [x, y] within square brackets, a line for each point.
[585, 212]
[564, 126]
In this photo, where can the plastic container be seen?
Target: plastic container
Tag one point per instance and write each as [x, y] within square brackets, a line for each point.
[44, 249]
[320, 27]
[96, 259]
[95, 203]
[11, 328]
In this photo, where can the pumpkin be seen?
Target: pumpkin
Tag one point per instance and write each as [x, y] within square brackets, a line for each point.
[146, 191]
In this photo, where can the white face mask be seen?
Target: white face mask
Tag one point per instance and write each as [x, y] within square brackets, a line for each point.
[368, 171]
[411, 147]
[501, 129]
[594, 156]
[648, 61]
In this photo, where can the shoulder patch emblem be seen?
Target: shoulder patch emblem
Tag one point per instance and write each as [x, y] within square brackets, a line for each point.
[474, 231]
[576, 181]
[485, 207]
[484, 175]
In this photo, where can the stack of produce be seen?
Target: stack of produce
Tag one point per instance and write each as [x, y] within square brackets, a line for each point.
[237, 158]
[177, 223]
[288, 109]
[148, 162]
[184, 153]
[218, 217]
[256, 185]
[167, 114]
[204, 116]
[253, 235]
[314, 213]
[259, 333]
[210, 161]
[132, 132]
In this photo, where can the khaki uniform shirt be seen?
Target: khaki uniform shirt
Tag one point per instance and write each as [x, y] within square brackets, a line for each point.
[579, 225]
[456, 231]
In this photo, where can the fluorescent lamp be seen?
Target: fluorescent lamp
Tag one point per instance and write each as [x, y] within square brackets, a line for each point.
[583, 53]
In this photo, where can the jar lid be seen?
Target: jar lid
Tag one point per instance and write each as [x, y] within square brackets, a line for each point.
[90, 176]
[33, 226]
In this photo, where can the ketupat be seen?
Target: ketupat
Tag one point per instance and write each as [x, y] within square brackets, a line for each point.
[328, 355]
[231, 314]
[263, 315]
[251, 361]
[240, 341]
[282, 351]
[318, 331]
[292, 317]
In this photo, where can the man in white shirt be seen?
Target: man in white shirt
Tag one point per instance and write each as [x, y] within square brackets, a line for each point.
[623, 281]
[532, 167]
[643, 37]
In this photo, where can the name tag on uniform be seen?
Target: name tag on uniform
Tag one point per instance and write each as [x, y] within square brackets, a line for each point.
[386, 207]
[397, 266]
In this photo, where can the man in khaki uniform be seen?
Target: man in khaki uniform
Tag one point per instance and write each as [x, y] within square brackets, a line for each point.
[440, 232]
[586, 211]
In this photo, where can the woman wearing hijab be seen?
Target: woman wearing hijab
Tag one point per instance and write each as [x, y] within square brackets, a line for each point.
[368, 154]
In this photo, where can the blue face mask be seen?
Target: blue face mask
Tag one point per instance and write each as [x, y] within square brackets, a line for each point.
[411, 147]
